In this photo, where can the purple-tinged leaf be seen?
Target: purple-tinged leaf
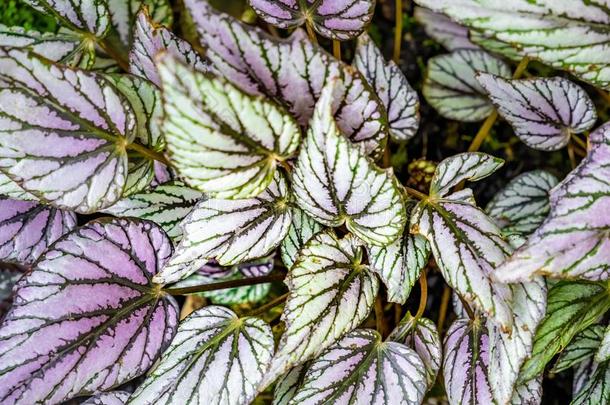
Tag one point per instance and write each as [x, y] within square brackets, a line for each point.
[523, 204]
[231, 231]
[574, 240]
[603, 354]
[288, 384]
[544, 112]
[123, 15]
[508, 352]
[215, 357]
[596, 387]
[63, 133]
[9, 275]
[150, 41]
[361, 368]
[291, 71]
[28, 228]
[582, 347]
[11, 189]
[451, 86]
[108, 398]
[302, 228]
[571, 35]
[399, 264]
[467, 246]
[90, 16]
[471, 166]
[336, 183]
[222, 141]
[162, 174]
[331, 293]
[444, 31]
[334, 19]
[88, 317]
[466, 348]
[572, 307]
[391, 86]
[166, 205]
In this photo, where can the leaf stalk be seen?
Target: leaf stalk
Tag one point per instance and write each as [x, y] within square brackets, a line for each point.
[224, 284]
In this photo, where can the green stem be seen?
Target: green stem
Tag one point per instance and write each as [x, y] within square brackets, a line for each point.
[414, 193]
[106, 47]
[149, 153]
[224, 284]
[266, 307]
[397, 31]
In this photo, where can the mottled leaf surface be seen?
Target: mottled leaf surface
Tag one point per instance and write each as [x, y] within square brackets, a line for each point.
[63, 132]
[302, 228]
[88, 317]
[361, 368]
[28, 228]
[439, 27]
[451, 86]
[574, 241]
[231, 231]
[336, 183]
[331, 293]
[215, 357]
[391, 86]
[544, 112]
[335, 19]
[221, 140]
[291, 71]
[91, 16]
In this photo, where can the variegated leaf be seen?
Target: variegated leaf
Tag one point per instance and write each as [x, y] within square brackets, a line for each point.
[11, 189]
[123, 15]
[603, 354]
[570, 35]
[150, 40]
[471, 166]
[104, 321]
[292, 72]
[451, 86]
[28, 228]
[302, 228]
[331, 293]
[466, 348]
[391, 86]
[166, 205]
[108, 398]
[215, 357]
[523, 204]
[335, 19]
[9, 276]
[582, 347]
[231, 231]
[64, 133]
[361, 368]
[467, 246]
[336, 183]
[444, 31]
[288, 384]
[574, 241]
[544, 112]
[90, 16]
[222, 141]
[572, 307]
[596, 388]
[399, 264]
[528, 393]
[582, 373]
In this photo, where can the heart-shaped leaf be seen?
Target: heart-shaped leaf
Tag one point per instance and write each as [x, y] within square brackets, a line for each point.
[150, 41]
[90, 16]
[215, 357]
[466, 348]
[444, 31]
[221, 140]
[574, 241]
[451, 86]
[544, 112]
[570, 36]
[572, 307]
[335, 19]
[336, 183]
[471, 166]
[292, 72]
[28, 228]
[582, 347]
[523, 204]
[302, 228]
[108, 398]
[166, 205]
[231, 231]
[331, 292]
[64, 132]
[361, 368]
[399, 264]
[391, 86]
[104, 321]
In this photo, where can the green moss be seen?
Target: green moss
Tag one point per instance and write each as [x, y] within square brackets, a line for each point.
[17, 13]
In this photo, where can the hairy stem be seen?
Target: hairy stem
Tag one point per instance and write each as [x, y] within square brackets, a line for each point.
[397, 31]
[266, 307]
[337, 49]
[149, 153]
[423, 285]
[225, 284]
